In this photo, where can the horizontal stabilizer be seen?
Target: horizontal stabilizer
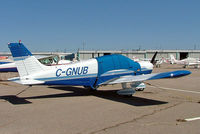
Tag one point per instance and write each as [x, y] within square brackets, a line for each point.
[26, 82]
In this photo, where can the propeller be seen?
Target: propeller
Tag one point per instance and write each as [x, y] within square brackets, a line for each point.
[153, 61]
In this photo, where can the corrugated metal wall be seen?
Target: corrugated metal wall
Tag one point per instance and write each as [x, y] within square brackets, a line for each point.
[143, 54]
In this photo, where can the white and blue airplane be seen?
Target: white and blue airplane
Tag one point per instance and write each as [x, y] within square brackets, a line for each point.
[92, 73]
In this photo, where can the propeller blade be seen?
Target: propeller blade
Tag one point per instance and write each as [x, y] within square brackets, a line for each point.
[153, 58]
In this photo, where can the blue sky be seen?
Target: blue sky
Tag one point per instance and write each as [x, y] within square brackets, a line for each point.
[52, 25]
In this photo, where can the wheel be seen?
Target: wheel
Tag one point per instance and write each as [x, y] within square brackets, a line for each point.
[128, 96]
[141, 89]
[87, 87]
[90, 88]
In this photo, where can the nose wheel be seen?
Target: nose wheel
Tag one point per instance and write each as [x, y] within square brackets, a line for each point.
[139, 86]
[140, 89]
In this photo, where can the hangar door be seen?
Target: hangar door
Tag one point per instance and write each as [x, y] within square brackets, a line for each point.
[183, 55]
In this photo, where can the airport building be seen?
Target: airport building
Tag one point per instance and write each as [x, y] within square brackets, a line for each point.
[144, 54]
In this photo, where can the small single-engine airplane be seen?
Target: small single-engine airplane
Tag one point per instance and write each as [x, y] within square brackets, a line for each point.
[92, 73]
[185, 62]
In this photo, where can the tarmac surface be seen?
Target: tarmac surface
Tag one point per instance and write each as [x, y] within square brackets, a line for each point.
[160, 109]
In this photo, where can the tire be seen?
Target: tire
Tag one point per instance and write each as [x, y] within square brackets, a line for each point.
[90, 88]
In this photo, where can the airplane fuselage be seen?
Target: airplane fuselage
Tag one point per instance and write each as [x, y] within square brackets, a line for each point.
[92, 72]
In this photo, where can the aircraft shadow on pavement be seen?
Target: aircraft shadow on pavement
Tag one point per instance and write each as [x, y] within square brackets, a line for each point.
[105, 94]
[13, 99]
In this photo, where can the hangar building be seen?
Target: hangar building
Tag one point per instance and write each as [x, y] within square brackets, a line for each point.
[142, 54]
[146, 54]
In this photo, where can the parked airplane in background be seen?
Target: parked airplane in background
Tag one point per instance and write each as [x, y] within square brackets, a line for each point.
[157, 63]
[160, 62]
[186, 62]
[3, 58]
[8, 65]
[92, 73]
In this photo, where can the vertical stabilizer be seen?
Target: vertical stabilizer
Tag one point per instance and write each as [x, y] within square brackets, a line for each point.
[172, 59]
[25, 62]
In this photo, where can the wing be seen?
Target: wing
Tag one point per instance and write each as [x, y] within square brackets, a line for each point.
[194, 63]
[144, 77]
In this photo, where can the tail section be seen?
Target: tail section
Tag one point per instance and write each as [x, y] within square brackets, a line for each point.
[25, 62]
[172, 59]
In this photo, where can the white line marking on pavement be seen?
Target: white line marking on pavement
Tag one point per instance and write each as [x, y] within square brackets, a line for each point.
[196, 92]
[193, 119]
[189, 119]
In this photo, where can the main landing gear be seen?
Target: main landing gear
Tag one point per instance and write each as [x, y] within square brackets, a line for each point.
[129, 91]
[126, 91]
[91, 88]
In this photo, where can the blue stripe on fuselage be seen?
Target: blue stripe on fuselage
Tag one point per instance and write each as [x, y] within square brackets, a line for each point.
[13, 69]
[144, 72]
[5, 62]
[67, 77]
[87, 81]
[78, 80]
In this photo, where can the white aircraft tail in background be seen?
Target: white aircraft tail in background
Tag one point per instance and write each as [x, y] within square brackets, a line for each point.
[173, 59]
[160, 61]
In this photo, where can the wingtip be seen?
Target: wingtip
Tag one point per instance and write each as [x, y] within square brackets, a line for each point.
[183, 72]
[187, 72]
